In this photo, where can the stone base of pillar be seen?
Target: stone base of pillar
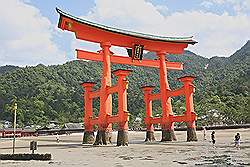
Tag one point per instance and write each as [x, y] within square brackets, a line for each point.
[88, 137]
[150, 136]
[168, 135]
[191, 134]
[122, 138]
[103, 137]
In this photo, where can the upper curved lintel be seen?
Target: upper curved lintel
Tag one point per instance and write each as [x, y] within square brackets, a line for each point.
[187, 40]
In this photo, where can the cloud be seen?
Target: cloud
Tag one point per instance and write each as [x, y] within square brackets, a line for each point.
[206, 4]
[218, 1]
[26, 36]
[239, 6]
[163, 9]
[217, 34]
[127, 13]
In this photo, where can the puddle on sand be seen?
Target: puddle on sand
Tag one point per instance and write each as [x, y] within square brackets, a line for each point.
[9, 162]
[229, 151]
[126, 157]
[54, 162]
[147, 158]
[181, 162]
[220, 160]
[118, 165]
[184, 151]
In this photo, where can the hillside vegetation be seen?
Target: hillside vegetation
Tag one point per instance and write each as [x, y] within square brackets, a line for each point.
[46, 93]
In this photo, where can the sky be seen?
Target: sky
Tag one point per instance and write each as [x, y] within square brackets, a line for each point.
[29, 33]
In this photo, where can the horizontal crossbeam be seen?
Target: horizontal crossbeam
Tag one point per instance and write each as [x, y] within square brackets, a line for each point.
[155, 96]
[171, 93]
[110, 119]
[81, 54]
[177, 92]
[174, 118]
[94, 94]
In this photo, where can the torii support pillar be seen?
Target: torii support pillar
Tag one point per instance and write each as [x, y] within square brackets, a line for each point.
[166, 125]
[123, 115]
[104, 132]
[148, 103]
[89, 136]
[190, 114]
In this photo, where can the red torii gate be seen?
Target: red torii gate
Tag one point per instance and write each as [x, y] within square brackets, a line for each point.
[108, 36]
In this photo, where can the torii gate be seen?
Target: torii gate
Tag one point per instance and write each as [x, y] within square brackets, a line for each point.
[108, 36]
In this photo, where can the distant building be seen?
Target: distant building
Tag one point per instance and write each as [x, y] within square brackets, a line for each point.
[72, 126]
[9, 132]
[137, 124]
[53, 125]
[69, 128]
[6, 124]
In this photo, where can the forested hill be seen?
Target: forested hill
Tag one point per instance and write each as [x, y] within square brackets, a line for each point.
[7, 68]
[46, 93]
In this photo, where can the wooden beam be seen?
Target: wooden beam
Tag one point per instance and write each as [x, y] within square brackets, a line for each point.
[177, 92]
[112, 89]
[179, 118]
[94, 94]
[94, 121]
[81, 54]
[156, 120]
[155, 96]
[113, 119]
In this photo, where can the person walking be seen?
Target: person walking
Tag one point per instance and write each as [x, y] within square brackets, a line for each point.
[204, 132]
[57, 138]
[237, 140]
[213, 137]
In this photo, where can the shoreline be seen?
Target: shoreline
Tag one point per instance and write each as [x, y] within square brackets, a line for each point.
[70, 152]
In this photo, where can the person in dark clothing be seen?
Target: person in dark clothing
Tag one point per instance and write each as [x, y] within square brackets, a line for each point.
[204, 132]
[237, 140]
[213, 137]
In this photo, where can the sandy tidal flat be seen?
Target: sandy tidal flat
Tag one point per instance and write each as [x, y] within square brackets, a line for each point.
[70, 152]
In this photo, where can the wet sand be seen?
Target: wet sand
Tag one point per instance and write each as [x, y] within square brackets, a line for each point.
[70, 151]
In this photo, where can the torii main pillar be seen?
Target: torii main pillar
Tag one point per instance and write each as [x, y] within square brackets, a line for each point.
[167, 126]
[104, 133]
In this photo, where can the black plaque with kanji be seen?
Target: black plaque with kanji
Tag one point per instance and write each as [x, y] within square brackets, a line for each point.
[137, 52]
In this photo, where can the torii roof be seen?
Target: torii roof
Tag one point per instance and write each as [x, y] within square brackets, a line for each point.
[98, 33]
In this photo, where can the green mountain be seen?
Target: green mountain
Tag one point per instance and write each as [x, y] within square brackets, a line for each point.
[7, 68]
[46, 93]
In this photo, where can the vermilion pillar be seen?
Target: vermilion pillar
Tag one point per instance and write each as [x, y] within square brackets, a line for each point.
[189, 114]
[123, 115]
[88, 137]
[149, 114]
[104, 128]
[167, 125]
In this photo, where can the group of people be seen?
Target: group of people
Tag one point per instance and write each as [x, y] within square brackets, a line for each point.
[236, 138]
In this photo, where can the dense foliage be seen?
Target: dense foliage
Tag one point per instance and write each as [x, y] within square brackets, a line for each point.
[46, 93]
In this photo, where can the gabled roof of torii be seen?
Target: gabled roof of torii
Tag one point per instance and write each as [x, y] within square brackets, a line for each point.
[95, 32]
